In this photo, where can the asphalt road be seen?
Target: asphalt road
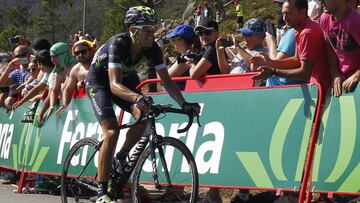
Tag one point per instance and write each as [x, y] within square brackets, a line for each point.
[7, 195]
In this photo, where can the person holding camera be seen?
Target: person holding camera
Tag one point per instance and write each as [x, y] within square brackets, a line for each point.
[254, 34]
[15, 74]
[185, 42]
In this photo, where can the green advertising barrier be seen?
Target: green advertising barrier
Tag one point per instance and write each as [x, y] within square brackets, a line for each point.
[13, 138]
[249, 138]
[337, 157]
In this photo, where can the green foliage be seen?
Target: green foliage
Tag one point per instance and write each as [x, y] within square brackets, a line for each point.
[18, 16]
[8, 32]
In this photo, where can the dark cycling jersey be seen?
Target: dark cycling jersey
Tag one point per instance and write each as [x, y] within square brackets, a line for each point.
[115, 53]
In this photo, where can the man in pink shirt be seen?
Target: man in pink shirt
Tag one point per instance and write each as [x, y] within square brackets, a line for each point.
[341, 26]
[310, 61]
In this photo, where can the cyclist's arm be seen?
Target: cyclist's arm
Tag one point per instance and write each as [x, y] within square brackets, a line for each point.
[118, 89]
[170, 86]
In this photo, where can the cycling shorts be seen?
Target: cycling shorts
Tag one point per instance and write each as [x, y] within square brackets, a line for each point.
[102, 98]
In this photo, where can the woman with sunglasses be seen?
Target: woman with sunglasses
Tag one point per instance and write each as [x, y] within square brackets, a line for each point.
[186, 44]
[208, 32]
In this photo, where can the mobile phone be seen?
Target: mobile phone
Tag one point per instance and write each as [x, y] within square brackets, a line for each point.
[23, 61]
[226, 42]
[14, 40]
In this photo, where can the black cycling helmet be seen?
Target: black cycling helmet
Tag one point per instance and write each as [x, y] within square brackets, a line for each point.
[140, 15]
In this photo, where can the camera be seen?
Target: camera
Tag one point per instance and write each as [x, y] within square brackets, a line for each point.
[226, 42]
[14, 40]
[189, 55]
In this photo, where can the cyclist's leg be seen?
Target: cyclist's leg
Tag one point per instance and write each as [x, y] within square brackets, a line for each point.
[110, 131]
[104, 112]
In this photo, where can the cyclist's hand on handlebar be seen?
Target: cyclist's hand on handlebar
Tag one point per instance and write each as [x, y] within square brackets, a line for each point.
[191, 108]
[143, 103]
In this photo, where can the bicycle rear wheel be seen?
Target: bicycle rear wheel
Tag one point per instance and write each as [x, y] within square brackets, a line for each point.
[78, 180]
[175, 170]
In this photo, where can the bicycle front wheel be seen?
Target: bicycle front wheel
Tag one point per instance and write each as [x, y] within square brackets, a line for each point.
[78, 180]
[174, 177]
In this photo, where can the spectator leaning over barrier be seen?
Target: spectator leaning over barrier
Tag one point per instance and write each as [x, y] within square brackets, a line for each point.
[46, 66]
[254, 34]
[15, 74]
[112, 78]
[208, 32]
[310, 60]
[84, 51]
[63, 60]
[183, 37]
[341, 26]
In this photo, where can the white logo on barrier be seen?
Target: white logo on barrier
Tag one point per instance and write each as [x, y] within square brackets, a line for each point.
[207, 156]
[71, 134]
[6, 134]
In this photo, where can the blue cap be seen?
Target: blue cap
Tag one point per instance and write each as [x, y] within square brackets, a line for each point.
[253, 26]
[183, 31]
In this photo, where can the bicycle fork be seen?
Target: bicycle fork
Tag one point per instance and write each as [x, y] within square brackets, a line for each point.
[155, 141]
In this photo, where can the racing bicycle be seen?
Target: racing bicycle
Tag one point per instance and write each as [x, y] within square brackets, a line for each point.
[162, 167]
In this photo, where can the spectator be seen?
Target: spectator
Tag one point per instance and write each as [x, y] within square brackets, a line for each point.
[39, 44]
[63, 60]
[15, 74]
[183, 37]
[208, 32]
[84, 51]
[314, 10]
[254, 34]
[341, 26]
[285, 49]
[239, 14]
[310, 60]
[45, 65]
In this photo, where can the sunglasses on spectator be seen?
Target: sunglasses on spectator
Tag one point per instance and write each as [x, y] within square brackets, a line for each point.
[22, 55]
[82, 52]
[205, 32]
[32, 69]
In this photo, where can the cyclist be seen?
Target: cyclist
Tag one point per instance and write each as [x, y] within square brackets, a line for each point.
[112, 77]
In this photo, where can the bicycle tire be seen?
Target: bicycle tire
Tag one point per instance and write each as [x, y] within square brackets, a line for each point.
[146, 191]
[71, 191]
[150, 4]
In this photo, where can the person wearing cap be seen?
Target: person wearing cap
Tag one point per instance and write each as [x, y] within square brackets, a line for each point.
[254, 34]
[63, 60]
[84, 51]
[341, 26]
[310, 61]
[183, 37]
[208, 32]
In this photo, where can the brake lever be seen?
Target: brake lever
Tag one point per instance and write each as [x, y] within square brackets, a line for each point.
[198, 120]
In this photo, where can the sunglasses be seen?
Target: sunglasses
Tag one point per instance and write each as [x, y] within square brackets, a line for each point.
[146, 28]
[32, 69]
[82, 52]
[20, 55]
[205, 32]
